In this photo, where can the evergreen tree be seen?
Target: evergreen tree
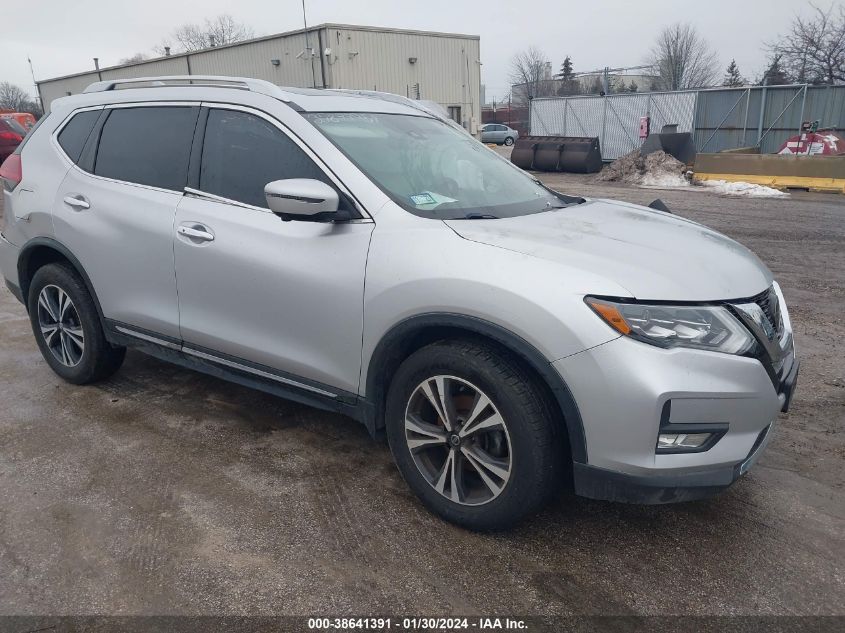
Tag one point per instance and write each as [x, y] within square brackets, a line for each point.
[566, 69]
[568, 83]
[732, 77]
[633, 87]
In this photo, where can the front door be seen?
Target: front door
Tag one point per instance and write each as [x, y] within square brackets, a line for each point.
[255, 290]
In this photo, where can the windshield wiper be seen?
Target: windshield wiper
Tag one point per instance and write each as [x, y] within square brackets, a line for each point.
[480, 216]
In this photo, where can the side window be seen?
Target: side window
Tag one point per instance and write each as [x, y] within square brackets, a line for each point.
[243, 152]
[73, 136]
[148, 146]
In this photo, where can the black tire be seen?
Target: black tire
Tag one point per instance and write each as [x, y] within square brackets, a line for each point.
[98, 359]
[534, 448]
[508, 140]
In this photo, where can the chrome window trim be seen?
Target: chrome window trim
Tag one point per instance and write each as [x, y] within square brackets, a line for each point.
[54, 137]
[134, 104]
[197, 193]
[210, 197]
[321, 164]
[150, 104]
[126, 182]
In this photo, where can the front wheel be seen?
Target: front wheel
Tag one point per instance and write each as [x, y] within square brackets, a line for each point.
[472, 435]
[509, 141]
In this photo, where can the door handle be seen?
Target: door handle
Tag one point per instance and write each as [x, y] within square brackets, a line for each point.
[77, 202]
[195, 234]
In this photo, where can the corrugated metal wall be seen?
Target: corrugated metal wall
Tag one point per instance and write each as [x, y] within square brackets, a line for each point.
[719, 119]
[447, 67]
[252, 59]
[613, 119]
[731, 118]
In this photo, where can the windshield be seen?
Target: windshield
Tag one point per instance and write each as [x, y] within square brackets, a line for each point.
[433, 170]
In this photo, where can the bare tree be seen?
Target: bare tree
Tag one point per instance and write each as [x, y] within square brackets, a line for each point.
[814, 49]
[134, 59]
[682, 59]
[530, 75]
[217, 31]
[12, 97]
[775, 75]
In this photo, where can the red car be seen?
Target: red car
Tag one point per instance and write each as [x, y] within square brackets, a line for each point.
[11, 135]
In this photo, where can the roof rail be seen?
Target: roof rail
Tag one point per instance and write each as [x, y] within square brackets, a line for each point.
[240, 83]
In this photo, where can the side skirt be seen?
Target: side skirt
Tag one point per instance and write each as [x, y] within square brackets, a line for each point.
[239, 371]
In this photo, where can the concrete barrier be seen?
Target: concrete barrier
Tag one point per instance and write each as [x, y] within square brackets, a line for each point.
[814, 173]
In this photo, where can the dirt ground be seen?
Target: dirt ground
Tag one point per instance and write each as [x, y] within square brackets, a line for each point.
[164, 491]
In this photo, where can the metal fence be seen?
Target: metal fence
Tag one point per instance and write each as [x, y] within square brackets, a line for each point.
[721, 118]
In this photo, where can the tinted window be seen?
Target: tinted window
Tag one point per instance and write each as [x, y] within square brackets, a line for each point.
[73, 136]
[243, 152]
[149, 146]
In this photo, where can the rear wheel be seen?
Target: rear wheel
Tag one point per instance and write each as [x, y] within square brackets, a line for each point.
[472, 435]
[509, 140]
[67, 327]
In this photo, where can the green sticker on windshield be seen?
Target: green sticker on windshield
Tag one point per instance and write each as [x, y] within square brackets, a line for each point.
[422, 198]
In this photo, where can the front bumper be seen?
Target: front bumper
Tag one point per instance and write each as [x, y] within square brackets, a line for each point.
[625, 390]
[667, 487]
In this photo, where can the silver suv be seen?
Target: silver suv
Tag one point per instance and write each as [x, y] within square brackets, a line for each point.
[359, 253]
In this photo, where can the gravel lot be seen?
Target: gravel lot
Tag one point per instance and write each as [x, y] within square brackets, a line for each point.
[164, 491]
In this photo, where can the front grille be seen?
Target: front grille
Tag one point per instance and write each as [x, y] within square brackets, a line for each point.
[770, 305]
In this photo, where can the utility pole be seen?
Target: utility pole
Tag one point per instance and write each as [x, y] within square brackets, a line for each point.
[509, 109]
[308, 48]
[35, 85]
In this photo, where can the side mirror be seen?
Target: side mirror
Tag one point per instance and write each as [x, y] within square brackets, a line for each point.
[302, 199]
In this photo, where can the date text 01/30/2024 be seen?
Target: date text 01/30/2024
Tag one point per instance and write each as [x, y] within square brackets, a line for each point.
[415, 624]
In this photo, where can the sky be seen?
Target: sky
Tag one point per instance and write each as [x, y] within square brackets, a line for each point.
[62, 36]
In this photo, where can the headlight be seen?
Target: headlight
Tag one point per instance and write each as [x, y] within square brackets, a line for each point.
[699, 327]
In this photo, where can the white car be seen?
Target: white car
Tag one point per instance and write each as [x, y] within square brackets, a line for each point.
[498, 133]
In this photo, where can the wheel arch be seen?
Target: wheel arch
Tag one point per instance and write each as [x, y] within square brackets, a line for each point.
[415, 332]
[39, 252]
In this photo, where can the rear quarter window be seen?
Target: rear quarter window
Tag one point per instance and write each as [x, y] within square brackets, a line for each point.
[73, 136]
[147, 145]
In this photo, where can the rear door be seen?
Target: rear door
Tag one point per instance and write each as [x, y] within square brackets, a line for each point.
[284, 299]
[116, 206]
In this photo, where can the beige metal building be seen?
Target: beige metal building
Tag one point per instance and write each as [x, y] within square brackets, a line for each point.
[440, 67]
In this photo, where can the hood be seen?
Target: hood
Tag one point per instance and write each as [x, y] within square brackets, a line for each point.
[653, 255]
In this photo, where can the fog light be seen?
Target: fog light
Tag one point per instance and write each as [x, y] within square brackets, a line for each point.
[682, 440]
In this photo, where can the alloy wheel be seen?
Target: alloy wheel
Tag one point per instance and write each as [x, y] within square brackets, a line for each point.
[60, 326]
[458, 440]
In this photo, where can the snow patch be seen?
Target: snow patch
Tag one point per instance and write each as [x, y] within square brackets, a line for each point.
[745, 189]
[664, 180]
